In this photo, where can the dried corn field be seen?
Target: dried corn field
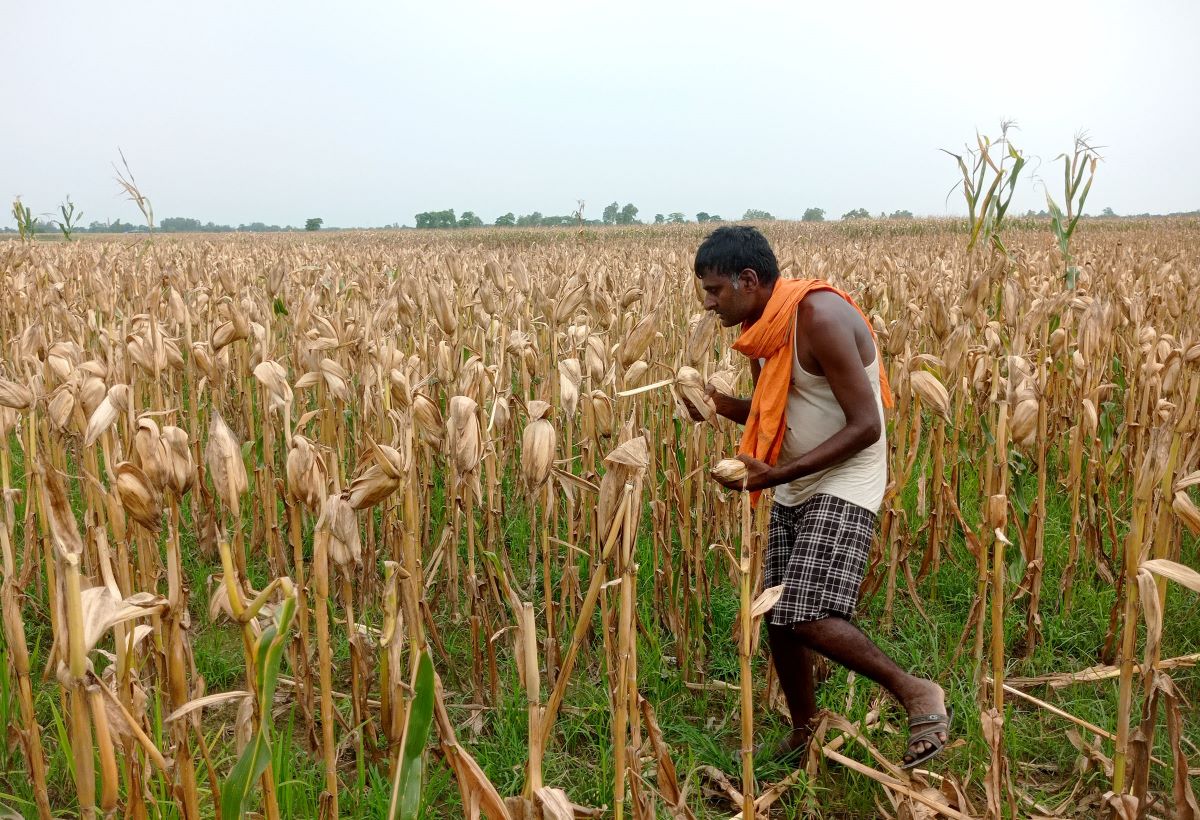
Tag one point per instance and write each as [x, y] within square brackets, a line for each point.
[278, 509]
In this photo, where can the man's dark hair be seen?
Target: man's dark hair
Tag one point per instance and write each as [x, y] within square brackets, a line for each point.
[731, 249]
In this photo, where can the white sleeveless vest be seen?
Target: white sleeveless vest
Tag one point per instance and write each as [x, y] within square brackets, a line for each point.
[813, 415]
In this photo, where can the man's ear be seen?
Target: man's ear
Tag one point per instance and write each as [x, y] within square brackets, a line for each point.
[748, 278]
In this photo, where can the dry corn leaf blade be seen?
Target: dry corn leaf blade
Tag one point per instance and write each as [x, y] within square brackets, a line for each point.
[766, 601]
[102, 611]
[1173, 571]
[205, 702]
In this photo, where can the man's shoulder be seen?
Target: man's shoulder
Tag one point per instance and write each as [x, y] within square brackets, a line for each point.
[824, 306]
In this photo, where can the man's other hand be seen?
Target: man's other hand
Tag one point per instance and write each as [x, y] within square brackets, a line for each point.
[759, 476]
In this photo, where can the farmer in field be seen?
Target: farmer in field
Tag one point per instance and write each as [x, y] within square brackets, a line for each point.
[815, 433]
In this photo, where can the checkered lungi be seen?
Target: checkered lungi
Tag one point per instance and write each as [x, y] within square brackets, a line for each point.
[818, 551]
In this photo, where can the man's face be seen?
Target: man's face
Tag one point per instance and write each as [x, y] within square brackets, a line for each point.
[729, 297]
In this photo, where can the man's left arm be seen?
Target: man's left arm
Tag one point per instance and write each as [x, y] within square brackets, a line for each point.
[834, 347]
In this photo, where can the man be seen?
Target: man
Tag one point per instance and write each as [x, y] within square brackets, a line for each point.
[815, 433]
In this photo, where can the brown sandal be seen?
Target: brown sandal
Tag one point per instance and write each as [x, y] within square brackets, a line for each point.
[937, 724]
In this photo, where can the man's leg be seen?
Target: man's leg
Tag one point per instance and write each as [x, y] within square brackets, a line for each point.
[841, 641]
[794, 664]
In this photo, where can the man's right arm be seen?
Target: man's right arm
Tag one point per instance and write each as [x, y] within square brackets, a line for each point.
[731, 407]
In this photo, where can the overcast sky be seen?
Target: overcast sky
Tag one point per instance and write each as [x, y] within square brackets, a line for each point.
[366, 113]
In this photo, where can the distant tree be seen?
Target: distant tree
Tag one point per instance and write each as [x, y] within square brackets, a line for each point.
[676, 218]
[506, 221]
[530, 220]
[437, 219]
[313, 224]
[659, 219]
[703, 217]
[1108, 212]
[612, 213]
[96, 226]
[715, 218]
[901, 215]
[628, 215]
[813, 215]
[469, 220]
[857, 213]
[754, 214]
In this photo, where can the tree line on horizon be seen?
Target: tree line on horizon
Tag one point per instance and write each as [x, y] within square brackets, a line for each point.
[617, 214]
[613, 214]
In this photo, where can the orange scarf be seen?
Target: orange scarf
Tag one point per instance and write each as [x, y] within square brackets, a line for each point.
[772, 337]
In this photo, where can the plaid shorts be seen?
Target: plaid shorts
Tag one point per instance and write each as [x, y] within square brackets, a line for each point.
[818, 552]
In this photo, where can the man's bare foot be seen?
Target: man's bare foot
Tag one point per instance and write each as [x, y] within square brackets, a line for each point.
[926, 700]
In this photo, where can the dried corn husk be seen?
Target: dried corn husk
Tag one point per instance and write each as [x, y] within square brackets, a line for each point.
[338, 519]
[463, 434]
[1024, 422]
[305, 473]
[115, 402]
[638, 340]
[61, 359]
[428, 418]
[64, 532]
[401, 389]
[91, 393]
[724, 380]
[229, 332]
[628, 461]
[151, 453]
[1186, 511]
[337, 380]
[274, 379]
[602, 413]
[501, 415]
[595, 358]
[139, 496]
[223, 457]
[372, 485]
[537, 445]
[636, 374]
[702, 329]
[1091, 420]
[570, 376]
[393, 462]
[689, 388]
[61, 406]
[932, 392]
[15, 396]
[443, 314]
[181, 468]
[202, 355]
[730, 469]
[9, 419]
